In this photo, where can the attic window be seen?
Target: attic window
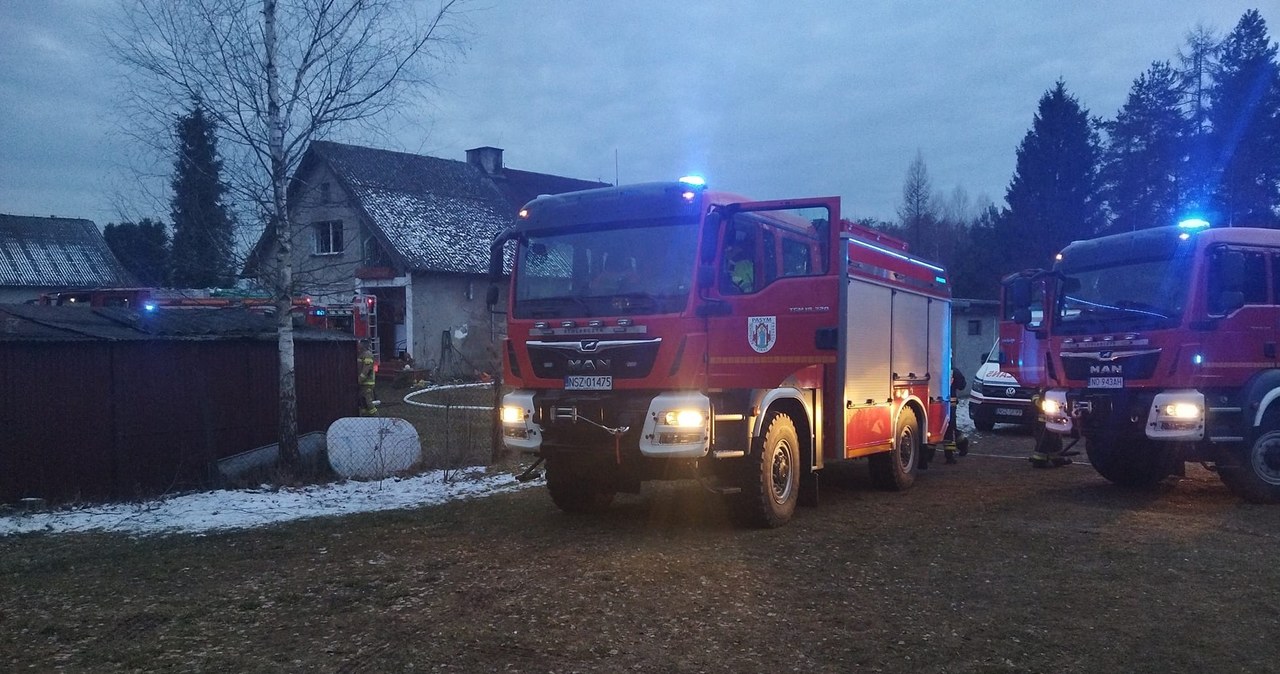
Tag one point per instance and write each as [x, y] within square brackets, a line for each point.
[324, 193]
[328, 237]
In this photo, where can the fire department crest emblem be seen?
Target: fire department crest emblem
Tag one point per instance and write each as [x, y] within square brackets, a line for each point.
[762, 332]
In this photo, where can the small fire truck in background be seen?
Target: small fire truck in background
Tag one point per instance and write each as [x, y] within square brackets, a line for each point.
[666, 331]
[1006, 384]
[1162, 350]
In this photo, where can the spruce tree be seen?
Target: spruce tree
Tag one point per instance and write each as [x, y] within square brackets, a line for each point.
[202, 251]
[1245, 119]
[1143, 164]
[142, 249]
[1053, 198]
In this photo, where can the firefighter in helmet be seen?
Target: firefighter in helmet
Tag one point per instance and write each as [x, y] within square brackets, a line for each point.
[368, 379]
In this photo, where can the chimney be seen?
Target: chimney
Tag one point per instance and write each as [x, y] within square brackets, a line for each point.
[488, 159]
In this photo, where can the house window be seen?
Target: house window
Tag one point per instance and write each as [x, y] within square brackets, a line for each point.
[328, 237]
[975, 327]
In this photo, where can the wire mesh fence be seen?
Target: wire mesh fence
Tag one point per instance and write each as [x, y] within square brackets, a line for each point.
[455, 422]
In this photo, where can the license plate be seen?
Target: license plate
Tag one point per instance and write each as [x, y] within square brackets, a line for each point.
[1004, 412]
[588, 383]
[1106, 382]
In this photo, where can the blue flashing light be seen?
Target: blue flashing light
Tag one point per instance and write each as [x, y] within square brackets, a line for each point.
[900, 256]
[148, 306]
[939, 279]
[694, 181]
[1193, 223]
[1198, 359]
[322, 312]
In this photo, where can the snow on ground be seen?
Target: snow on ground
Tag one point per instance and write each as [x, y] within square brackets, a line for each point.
[245, 508]
[240, 509]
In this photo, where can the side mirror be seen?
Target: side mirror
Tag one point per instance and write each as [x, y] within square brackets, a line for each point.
[1021, 316]
[491, 297]
[1018, 293]
[710, 236]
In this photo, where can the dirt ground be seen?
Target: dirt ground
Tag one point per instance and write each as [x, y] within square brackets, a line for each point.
[986, 566]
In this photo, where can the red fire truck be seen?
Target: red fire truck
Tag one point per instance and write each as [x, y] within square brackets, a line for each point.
[1162, 350]
[665, 331]
[1005, 385]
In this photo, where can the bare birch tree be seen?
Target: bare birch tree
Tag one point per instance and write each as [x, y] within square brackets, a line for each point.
[275, 75]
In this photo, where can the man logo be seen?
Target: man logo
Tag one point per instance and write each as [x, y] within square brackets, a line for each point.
[588, 345]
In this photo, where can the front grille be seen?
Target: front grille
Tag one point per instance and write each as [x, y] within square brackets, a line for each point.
[1129, 365]
[622, 359]
[1010, 392]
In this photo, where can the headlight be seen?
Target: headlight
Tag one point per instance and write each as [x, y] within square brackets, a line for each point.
[683, 418]
[512, 414]
[1181, 411]
[1050, 407]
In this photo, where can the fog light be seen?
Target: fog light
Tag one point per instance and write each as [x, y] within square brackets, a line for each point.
[1051, 408]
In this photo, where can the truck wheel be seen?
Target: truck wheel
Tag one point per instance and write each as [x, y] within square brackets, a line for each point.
[895, 470]
[772, 486]
[983, 421]
[1137, 464]
[576, 491]
[1256, 478]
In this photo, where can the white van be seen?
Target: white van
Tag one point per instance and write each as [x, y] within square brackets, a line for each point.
[997, 397]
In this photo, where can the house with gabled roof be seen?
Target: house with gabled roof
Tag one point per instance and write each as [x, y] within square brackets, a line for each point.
[414, 232]
[39, 255]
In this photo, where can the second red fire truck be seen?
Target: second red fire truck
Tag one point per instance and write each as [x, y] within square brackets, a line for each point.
[666, 331]
[1161, 348]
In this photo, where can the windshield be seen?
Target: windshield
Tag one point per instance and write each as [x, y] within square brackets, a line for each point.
[1124, 296]
[626, 269]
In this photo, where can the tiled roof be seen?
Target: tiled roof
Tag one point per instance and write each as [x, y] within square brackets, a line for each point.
[27, 322]
[56, 252]
[438, 214]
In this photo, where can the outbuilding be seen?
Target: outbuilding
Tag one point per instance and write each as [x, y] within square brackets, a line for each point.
[115, 404]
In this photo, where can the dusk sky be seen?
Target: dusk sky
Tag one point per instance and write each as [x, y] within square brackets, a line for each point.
[767, 99]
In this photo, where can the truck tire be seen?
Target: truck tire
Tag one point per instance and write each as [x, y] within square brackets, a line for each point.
[574, 490]
[1256, 476]
[1132, 464]
[895, 470]
[772, 484]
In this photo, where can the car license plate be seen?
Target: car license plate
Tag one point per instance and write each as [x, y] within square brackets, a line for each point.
[1106, 382]
[597, 382]
[1008, 412]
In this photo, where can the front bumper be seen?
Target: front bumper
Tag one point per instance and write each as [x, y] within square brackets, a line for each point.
[1175, 415]
[670, 424]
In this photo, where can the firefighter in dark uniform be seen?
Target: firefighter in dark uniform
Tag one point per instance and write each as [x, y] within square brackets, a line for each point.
[368, 379]
[954, 442]
[1048, 452]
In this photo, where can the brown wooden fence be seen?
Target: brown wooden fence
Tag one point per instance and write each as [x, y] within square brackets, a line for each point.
[96, 419]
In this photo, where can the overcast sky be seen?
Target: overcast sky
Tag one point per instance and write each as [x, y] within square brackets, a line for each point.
[765, 98]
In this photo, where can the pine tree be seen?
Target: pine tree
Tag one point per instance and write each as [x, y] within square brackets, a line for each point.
[142, 248]
[202, 252]
[1143, 163]
[1053, 197]
[1245, 119]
